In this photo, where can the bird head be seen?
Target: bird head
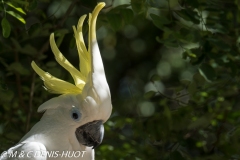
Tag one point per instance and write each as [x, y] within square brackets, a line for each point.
[86, 104]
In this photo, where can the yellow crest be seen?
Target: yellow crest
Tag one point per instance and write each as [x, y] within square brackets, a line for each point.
[58, 86]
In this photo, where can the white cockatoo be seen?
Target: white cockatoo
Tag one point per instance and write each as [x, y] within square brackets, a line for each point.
[72, 125]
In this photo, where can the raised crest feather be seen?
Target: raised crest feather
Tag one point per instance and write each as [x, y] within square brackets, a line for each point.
[84, 74]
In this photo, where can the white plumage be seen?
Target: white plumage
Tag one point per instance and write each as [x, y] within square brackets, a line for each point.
[72, 123]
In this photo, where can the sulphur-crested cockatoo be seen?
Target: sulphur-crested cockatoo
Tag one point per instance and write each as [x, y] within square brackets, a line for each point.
[72, 125]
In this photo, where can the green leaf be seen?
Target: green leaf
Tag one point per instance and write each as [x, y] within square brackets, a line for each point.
[16, 44]
[200, 122]
[17, 8]
[189, 15]
[233, 67]
[138, 6]
[2, 61]
[51, 64]
[167, 113]
[123, 6]
[61, 32]
[60, 39]
[155, 77]
[192, 88]
[6, 96]
[6, 28]
[21, 2]
[149, 94]
[199, 79]
[220, 43]
[168, 42]
[127, 15]
[3, 85]
[18, 67]
[185, 82]
[160, 19]
[195, 55]
[16, 15]
[33, 5]
[29, 50]
[115, 21]
[72, 43]
[55, 71]
[207, 72]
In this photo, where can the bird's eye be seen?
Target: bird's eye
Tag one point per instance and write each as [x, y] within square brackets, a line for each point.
[75, 114]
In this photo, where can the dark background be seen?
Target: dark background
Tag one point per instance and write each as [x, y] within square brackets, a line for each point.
[172, 67]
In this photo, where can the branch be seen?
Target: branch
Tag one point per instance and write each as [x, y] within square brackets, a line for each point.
[219, 131]
[169, 98]
[30, 102]
[69, 10]
[42, 50]
[18, 81]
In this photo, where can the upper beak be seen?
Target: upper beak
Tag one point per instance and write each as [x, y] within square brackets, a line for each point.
[90, 134]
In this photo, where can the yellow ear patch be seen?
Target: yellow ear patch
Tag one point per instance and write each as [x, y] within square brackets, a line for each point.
[58, 86]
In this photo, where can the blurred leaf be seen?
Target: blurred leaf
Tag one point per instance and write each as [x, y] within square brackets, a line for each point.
[123, 6]
[60, 39]
[167, 112]
[189, 15]
[6, 27]
[159, 20]
[51, 64]
[33, 5]
[29, 49]
[155, 77]
[55, 71]
[138, 6]
[3, 87]
[115, 21]
[16, 44]
[207, 72]
[199, 79]
[127, 15]
[72, 43]
[200, 122]
[30, 21]
[60, 32]
[16, 15]
[168, 42]
[234, 69]
[192, 88]
[6, 96]
[16, 8]
[149, 94]
[185, 82]
[21, 2]
[18, 67]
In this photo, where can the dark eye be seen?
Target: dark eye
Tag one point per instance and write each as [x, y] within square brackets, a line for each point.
[75, 113]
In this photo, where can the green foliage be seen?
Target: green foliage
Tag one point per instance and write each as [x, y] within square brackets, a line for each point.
[6, 28]
[172, 67]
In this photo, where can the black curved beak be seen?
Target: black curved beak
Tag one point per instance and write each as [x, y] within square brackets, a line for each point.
[90, 134]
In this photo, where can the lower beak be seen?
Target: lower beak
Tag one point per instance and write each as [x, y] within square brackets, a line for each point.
[90, 134]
